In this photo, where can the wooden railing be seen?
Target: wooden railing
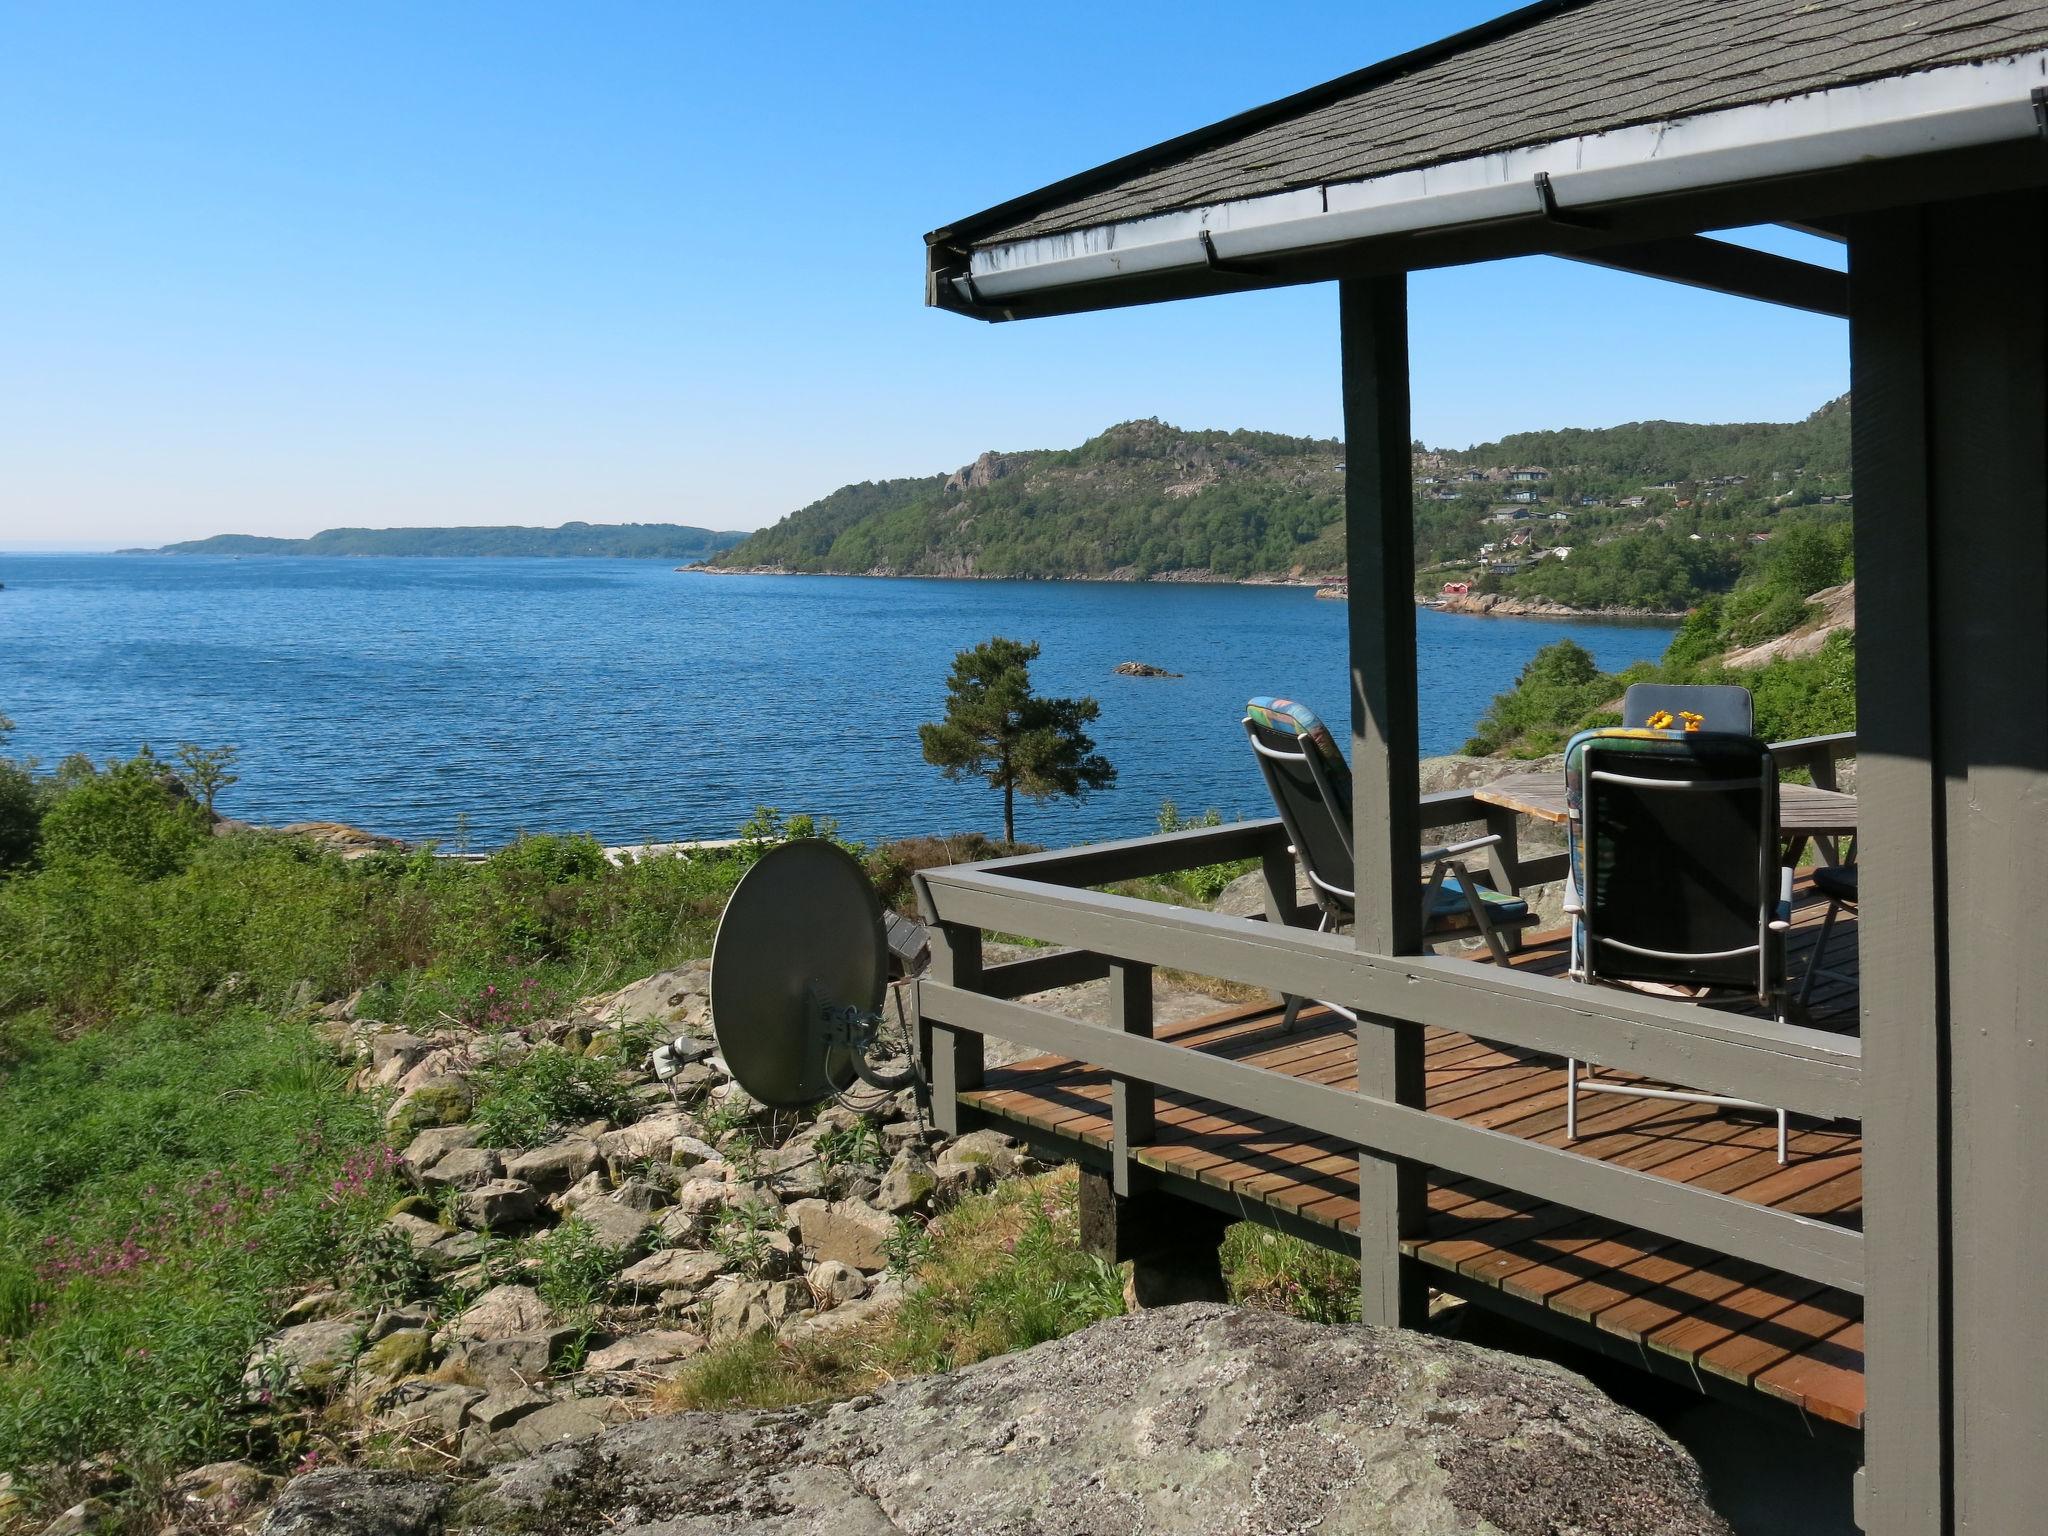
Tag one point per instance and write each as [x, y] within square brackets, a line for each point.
[1048, 897]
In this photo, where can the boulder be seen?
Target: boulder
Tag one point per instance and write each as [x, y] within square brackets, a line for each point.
[748, 1307]
[346, 1501]
[615, 1225]
[399, 1354]
[673, 1269]
[552, 1169]
[501, 1410]
[215, 1496]
[499, 1203]
[834, 1284]
[909, 1183]
[640, 1195]
[437, 1101]
[992, 1148]
[645, 1140]
[502, 1312]
[645, 1351]
[422, 1406]
[846, 1230]
[698, 1205]
[1184, 1420]
[676, 1001]
[519, 1360]
[310, 1357]
[431, 1145]
[794, 1170]
[463, 1168]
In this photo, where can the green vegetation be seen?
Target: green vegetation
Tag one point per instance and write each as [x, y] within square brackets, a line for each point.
[997, 729]
[1655, 514]
[619, 541]
[530, 1100]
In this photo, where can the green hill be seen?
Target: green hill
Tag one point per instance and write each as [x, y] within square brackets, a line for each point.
[622, 541]
[1146, 499]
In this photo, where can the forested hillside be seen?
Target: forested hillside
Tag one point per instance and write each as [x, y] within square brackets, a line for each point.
[1648, 515]
[619, 541]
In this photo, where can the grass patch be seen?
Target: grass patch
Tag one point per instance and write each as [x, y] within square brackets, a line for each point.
[529, 1100]
[162, 1188]
[1279, 1273]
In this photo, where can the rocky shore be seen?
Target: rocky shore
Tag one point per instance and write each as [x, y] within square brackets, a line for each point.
[1498, 605]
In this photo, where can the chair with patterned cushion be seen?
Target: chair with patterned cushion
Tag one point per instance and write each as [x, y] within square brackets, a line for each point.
[1311, 788]
[1674, 880]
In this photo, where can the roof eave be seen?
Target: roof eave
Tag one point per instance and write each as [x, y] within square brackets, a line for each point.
[1568, 185]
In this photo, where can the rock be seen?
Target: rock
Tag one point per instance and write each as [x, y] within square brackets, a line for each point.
[673, 1269]
[501, 1410]
[431, 1145]
[424, 1235]
[218, 1495]
[615, 1226]
[557, 1424]
[846, 1230]
[698, 1205]
[748, 1307]
[834, 1284]
[1185, 1420]
[310, 1357]
[406, 1352]
[676, 1000]
[321, 1302]
[640, 1195]
[82, 1519]
[953, 1181]
[520, 1360]
[552, 1169]
[502, 1312]
[592, 1186]
[794, 1170]
[909, 1183]
[438, 1101]
[998, 1151]
[392, 1319]
[645, 1351]
[344, 1501]
[420, 1406]
[885, 1292]
[645, 1140]
[1140, 669]
[463, 1168]
[500, 1203]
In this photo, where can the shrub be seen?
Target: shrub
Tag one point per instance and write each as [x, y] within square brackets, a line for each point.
[130, 815]
[530, 1100]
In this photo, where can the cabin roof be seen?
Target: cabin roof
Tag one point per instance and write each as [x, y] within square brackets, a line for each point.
[1546, 74]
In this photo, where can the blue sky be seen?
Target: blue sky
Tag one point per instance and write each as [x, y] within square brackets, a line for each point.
[274, 268]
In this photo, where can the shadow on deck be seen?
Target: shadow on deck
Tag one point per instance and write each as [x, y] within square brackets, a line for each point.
[1683, 1311]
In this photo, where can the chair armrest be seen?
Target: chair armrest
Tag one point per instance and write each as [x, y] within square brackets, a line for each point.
[1451, 850]
[1783, 920]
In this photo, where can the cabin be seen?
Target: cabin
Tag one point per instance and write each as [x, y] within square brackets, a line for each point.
[1883, 1285]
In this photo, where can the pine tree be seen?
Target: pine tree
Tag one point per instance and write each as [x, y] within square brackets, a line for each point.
[997, 729]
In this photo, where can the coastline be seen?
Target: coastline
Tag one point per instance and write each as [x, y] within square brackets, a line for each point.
[1325, 585]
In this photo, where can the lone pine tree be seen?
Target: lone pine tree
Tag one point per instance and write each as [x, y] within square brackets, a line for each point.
[997, 729]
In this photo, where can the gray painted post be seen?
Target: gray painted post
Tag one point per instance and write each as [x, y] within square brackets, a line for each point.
[954, 1056]
[1986, 296]
[1901, 934]
[1131, 1101]
[1385, 781]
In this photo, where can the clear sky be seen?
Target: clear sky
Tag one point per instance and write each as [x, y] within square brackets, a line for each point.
[272, 268]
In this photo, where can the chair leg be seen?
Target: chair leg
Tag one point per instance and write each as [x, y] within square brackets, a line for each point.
[1571, 1099]
[1293, 1012]
[1783, 1138]
[1820, 948]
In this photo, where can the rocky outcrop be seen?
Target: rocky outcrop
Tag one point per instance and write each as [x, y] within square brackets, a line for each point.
[1832, 609]
[984, 471]
[1140, 669]
[1500, 606]
[1188, 1419]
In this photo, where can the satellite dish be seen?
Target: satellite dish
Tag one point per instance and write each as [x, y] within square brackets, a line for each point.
[798, 974]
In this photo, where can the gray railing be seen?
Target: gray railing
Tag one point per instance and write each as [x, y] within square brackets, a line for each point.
[1048, 897]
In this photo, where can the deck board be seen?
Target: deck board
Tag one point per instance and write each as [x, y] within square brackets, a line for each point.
[1786, 1339]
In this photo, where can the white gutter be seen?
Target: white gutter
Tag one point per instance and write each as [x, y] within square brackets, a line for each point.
[1959, 107]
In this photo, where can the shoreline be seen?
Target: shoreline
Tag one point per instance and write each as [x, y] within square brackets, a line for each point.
[1327, 585]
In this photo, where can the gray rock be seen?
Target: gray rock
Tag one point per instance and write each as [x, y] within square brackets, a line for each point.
[217, 1495]
[673, 1269]
[499, 1410]
[397, 1043]
[645, 1140]
[639, 1195]
[558, 1424]
[645, 1351]
[618, 1227]
[748, 1307]
[392, 1319]
[678, 1000]
[502, 1312]
[1185, 1420]
[310, 1357]
[552, 1169]
[462, 1168]
[343, 1501]
[846, 1230]
[953, 1180]
[794, 1170]
[81, 1519]
[425, 1406]
[834, 1284]
[518, 1361]
[499, 1203]
[909, 1183]
[992, 1148]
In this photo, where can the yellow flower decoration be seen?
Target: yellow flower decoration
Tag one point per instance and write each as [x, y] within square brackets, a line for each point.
[1692, 721]
[1660, 721]
[1664, 720]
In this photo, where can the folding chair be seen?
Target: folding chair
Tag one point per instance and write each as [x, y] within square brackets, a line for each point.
[1311, 788]
[1675, 882]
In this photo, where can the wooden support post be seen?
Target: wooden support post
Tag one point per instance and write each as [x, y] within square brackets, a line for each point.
[1276, 869]
[1901, 934]
[1131, 1102]
[1385, 735]
[953, 1057]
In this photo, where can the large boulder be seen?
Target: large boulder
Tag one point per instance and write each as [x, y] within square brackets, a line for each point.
[1184, 1420]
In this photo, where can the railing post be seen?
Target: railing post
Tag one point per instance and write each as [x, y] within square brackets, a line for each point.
[1386, 782]
[1131, 1101]
[953, 1057]
[1276, 865]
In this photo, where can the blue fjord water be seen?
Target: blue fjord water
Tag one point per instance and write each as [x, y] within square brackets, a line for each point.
[628, 700]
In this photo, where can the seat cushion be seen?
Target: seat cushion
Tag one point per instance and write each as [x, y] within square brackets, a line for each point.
[1449, 903]
[1837, 882]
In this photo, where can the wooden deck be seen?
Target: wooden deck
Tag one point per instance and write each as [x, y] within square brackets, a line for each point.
[1670, 1306]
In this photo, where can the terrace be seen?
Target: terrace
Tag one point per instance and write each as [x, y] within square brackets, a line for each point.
[1911, 134]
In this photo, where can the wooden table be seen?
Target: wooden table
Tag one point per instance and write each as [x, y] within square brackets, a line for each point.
[1823, 816]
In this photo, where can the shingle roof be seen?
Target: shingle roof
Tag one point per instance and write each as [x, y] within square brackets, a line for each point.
[1553, 72]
